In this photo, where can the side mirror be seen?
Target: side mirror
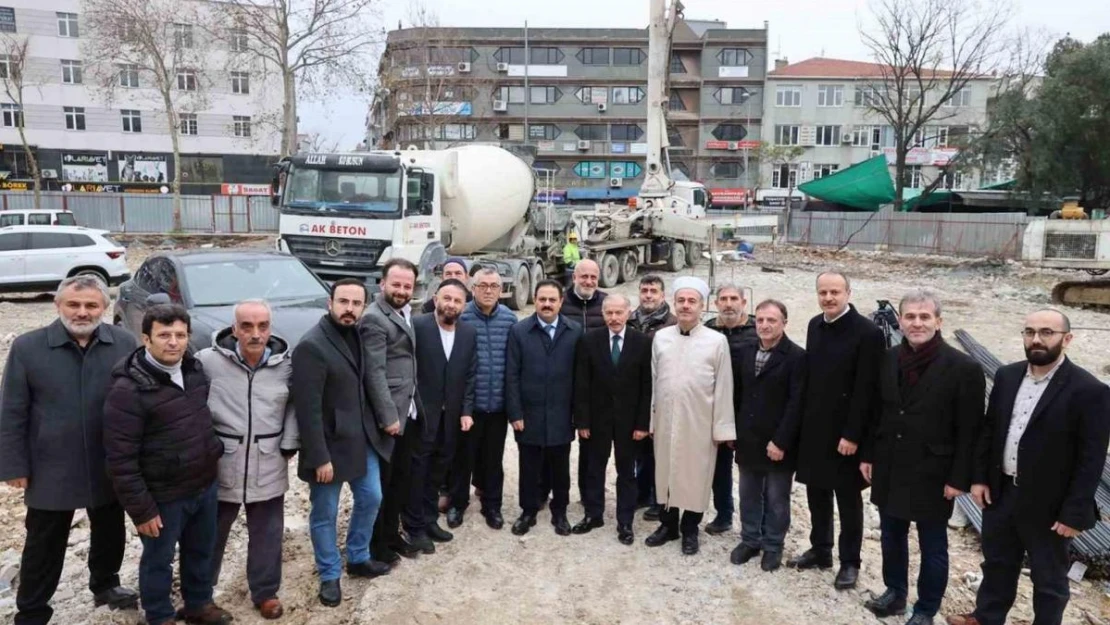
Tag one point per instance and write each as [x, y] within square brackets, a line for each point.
[157, 299]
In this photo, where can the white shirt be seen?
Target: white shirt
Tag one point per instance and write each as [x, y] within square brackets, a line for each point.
[406, 314]
[447, 337]
[837, 318]
[621, 334]
[1029, 393]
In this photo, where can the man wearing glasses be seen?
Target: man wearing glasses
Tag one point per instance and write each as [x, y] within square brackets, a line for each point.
[1039, 460]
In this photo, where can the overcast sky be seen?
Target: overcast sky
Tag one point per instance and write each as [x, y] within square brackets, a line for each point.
[800, 29]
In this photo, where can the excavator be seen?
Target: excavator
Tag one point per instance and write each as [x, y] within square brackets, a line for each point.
[1072, 241]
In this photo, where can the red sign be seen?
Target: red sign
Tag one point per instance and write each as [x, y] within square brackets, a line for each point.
[245, 189]
[716, 145]
[731, 145]
[730, 197]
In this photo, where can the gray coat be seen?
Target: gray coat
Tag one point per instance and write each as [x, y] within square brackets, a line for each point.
[52, 415]
[389, 353]
[253, 414]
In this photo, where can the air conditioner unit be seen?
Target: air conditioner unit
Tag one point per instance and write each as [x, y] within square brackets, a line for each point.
[847, 138]
[502, 67]
[616, 183]
[734, 145]
[50, 174]
[500, 106]
[602, 107]
[464, 68]
[583, 145]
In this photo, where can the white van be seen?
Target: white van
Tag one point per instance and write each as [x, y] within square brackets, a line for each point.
[37, 217]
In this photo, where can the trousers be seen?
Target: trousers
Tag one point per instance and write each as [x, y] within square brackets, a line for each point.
[265, 531]
[849, 502]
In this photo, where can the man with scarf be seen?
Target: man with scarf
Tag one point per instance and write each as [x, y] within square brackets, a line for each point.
[919, 454]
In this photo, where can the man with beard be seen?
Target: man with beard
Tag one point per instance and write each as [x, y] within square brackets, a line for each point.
[51, 446]
[738, 326]
[919, 453]
[389, 345]
[1041, 453]
[341, 441]
[446, 363]
[843, 351]
[454, 268]
[652, 315]
[692, 414]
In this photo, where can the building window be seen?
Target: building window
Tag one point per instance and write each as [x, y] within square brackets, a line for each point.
[784, 176]
[71, 72]
[546, 56]
[870, 96]
[186, 80]
[586, 94]
[624, 169]
[544, 95]
[242, 125]
[592, 169]
[828, 135]
[674, 137]
[543, 132]
[628, 56]
[451, 56]
[132, 120]
[196, 169]
[824, 171]
[730, 132]
[237, 40]
[594, 56]
[13, 115]
[67, 25]
[788, 95]
[680, 167]
[7, 20]
[75, 117]
[675, 103]
[187, 123]
[677, 66]
[129, 76]
[730, 169]
[954, 180]
[512, 56]
[864, 136]
[183, 35]
[627, 95]
[912, 178]
[5, 65]
[512, 95]
[732, 95]
[592, 132]
[240, 83]
[830, 95]
[734, 57]
[452, 132]
[786, 135]
[626, 132]
[961, 98]
[544, 167]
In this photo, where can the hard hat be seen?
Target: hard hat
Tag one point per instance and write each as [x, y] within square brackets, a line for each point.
[573, 236]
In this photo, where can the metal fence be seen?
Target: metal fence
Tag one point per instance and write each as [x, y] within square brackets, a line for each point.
[153, 214]
[952, 234]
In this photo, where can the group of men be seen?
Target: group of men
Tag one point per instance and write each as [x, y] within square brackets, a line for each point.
[412, 411]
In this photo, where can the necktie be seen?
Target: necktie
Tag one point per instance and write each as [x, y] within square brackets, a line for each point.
[550, 328]
[615, 353]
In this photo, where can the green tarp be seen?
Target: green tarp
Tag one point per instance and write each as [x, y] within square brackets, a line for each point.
[866, 185]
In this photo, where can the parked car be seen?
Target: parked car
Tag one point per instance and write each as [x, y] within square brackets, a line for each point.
[37, 258]
[209, 283]
[37, 217]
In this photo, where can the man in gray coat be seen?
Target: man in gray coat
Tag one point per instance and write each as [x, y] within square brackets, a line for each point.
[389, 345]
[51, 415]
[249, 371]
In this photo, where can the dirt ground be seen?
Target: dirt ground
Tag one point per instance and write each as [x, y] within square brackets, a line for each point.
[492, 577]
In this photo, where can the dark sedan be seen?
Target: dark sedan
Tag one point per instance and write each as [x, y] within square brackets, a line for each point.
[209, 283]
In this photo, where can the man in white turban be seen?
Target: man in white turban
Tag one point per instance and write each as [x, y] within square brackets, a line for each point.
[691, 414]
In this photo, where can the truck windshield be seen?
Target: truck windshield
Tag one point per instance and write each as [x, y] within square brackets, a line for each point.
[343, 191]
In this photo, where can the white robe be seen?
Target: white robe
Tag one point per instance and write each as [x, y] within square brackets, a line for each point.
[691, 409]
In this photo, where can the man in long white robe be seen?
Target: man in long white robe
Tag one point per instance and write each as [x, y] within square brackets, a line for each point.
[692, 414]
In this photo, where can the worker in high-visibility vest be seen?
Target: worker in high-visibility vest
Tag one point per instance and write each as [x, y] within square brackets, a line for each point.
[571, 256]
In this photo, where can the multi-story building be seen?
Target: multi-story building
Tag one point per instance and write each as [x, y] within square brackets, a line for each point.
[577, 96]
[822, 105]
[87, 140]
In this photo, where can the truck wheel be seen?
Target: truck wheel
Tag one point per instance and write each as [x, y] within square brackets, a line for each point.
[610, 270]
[537, 277]
[522, 289]
[677, 260]
[693, 254]
[630, 265]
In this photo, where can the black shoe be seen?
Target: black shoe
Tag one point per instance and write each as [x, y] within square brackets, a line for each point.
[454, 517]
[720, 525]
[811, 560]
[438, 534]
[625, 535]
[653, 512]
[846, 577]
[330, 593]
[689, 544]
[494, 519]
[387, 556]
[369, 569]
[585, 525]
[886, 604]
[661, 536]
[523, 524]
[118, 598]
[561, 524]
[920, 619]
[405, 546]
[423, 543]
[642, 504]
[742, 553]
[771, 561]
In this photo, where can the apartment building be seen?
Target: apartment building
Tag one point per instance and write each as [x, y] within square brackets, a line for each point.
[86, 141]
[577, 97]
[821, 105]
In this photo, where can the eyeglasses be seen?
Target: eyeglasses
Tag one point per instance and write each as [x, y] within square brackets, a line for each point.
[487, 287]
[1044, 333]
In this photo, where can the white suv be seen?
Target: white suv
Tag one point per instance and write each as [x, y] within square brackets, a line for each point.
[37, 258]
[36, 217]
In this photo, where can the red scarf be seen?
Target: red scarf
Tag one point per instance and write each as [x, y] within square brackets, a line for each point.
[913, 362]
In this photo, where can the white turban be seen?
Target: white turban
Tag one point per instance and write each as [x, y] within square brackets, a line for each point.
[690, 282]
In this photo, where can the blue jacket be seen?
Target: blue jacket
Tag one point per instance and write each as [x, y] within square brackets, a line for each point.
[493, 336]
[539, 381]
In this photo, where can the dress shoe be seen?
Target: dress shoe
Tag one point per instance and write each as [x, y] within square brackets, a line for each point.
[886, 604]
[270, 609]
[330, 593]
[561, 524]
[387, 557]
[369, 569]
[405, 547]
[642, 504]
[771, 561]
[625, 535]
[661, 536]
[454, 517]
[523, 524]
[742, 553]
[210, 614]
[653, 512]
[720, 525]
[438, 534]
[118, 598]
[426, 545]
[963, 619]
[494, 519]
[585, 525]
[846, 577]
[689, 544]
[811, 560]
[920, 619]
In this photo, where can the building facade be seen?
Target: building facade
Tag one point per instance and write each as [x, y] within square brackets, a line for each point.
[577, 96]
[822, 106]
[89, 138]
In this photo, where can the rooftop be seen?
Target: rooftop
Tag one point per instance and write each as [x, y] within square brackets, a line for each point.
[819, 67]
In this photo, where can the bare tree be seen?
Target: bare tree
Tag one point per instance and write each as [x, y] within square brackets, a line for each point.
[316, 142]
[927, 52]
[778, 156]
[318, 47]
[17, 80]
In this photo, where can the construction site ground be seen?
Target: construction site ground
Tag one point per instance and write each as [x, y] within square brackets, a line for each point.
[492, 577]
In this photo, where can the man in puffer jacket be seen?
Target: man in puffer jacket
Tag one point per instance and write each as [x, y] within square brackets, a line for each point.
[249, 369]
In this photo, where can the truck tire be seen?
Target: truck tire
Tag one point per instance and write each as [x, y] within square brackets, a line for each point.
[676, 261]
[610, 272]
[537, 277]
[522, 289]
[693, 254]
[630, 265]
